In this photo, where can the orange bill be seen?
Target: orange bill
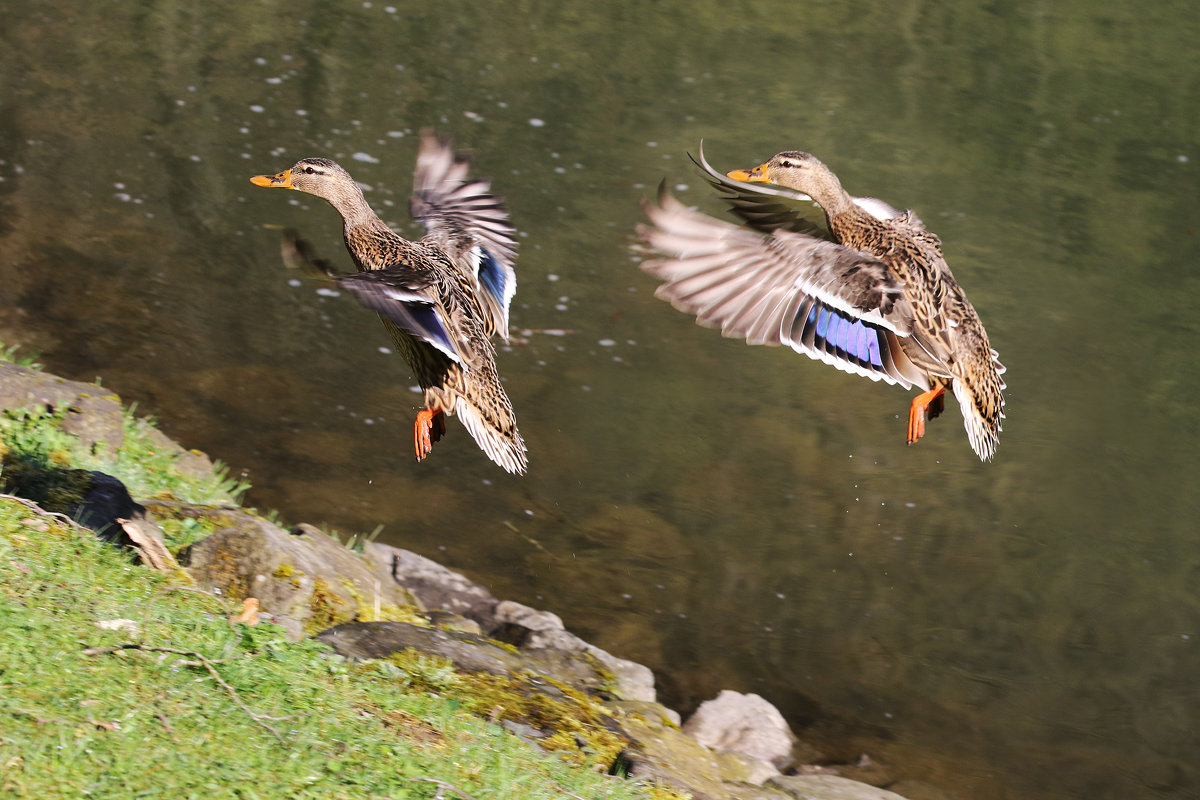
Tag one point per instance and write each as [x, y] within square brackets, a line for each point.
[282, 180]
[756, 175]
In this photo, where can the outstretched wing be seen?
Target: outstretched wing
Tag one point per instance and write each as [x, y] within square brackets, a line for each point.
[468, 223]
[391, 293]
[824, 300]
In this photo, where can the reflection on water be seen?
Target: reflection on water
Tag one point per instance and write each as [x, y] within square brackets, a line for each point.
[732, 516]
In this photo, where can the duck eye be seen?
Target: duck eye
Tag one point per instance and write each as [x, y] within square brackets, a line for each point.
[309, 170]
[787, 163]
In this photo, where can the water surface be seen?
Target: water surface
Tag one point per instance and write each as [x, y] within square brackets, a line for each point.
[734, 517]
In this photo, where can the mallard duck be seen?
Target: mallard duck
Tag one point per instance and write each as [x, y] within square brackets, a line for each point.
[442, 298]
[873, 296]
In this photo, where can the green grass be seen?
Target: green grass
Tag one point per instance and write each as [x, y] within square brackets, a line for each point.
[33, 438]
[151, 723]
[180, 702]
[13, 355]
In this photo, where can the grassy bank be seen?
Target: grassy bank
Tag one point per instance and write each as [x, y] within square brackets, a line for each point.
[118, 681]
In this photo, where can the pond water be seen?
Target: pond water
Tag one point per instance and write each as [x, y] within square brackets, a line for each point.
[734, 517]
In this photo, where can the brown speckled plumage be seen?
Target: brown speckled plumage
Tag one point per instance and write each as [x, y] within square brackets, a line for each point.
[883, 278]
[441, 298]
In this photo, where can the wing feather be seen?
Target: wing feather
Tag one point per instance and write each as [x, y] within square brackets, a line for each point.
[829, 302]
[468, 223]
[387, 292]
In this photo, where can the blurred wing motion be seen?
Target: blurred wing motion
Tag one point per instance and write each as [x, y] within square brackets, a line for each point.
[821, 299]
[464, 220]
[392, 294]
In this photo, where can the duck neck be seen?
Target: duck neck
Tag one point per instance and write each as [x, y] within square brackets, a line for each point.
[355, 210]
[832, 197]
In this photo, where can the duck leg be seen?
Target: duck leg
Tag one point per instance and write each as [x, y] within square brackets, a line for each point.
[429, 427]
[931, 401]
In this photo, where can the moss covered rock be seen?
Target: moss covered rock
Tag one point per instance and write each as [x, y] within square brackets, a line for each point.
[306, 580]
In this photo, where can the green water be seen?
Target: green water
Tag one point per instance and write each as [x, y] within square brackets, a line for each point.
[733, 517]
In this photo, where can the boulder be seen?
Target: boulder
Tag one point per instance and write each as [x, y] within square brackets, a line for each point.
[433, 586]
[305, 580]
[829, 787]
[365, 640]
[532, 629]
[92, 412]
[659, 752]
[745, 724]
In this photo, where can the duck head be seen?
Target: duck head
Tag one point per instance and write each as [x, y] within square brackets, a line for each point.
[795, 169]
[318, 176]
[322, 177]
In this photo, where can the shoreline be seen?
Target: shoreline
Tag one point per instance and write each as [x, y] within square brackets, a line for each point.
[362, 604]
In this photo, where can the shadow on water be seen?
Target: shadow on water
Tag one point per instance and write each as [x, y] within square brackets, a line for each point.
[734, 517]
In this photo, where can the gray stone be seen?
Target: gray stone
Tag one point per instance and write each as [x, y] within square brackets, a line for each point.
[92, 412]
[829, 787]
[531, 621]
[306, 581]
[98, 423]
[737, 768]
[191, 463]
[745, 724]
[659, 752]
[365, 640]
[433, 586]
[532, 629]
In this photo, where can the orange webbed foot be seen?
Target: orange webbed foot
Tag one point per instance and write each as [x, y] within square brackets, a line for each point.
[916, 412]
[429, 427]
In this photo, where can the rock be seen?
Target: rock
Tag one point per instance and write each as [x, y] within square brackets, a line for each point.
[919, 790]
[745, 724]
[661, 753]
[191, 463]
[106, 500]
[532, 629]
[92, 412]
[433, 586]
[97, 421]
[655, 713]
[737, 768]
[307, 581]
[449, 621]
[367, 640]
[128, 627]
[829, 787]
[363, 640]
[523, 624]
[96, 500]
